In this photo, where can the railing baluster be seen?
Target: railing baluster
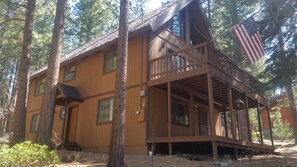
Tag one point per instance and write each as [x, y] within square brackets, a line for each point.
[193, 58]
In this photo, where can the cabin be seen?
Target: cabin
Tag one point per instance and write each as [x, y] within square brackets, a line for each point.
[277, 104]
[183, 94]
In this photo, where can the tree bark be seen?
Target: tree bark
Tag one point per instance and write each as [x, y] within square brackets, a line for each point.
[292, 103]
[23, 77]
[44, 131]
[116, 152]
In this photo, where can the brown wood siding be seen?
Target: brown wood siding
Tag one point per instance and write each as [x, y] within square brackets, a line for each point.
[93, 85]
[164, 40]
[158, 112]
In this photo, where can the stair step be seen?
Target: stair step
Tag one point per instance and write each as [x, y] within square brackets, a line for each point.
[72, 146]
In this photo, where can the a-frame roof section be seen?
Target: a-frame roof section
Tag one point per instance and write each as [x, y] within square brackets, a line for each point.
[168, 14]
[151, 20]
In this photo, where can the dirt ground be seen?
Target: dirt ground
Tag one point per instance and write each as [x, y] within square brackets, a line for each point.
[285, 156]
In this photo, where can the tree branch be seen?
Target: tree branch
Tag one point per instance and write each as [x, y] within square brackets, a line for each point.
[9, 20]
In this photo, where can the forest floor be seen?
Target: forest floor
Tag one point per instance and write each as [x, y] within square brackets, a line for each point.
[285, 156]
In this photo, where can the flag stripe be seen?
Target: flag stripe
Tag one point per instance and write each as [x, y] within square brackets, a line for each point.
[259, 42]
[250, 43]
[256, 46]
[249, 39]
[246, 44]
[242, 43]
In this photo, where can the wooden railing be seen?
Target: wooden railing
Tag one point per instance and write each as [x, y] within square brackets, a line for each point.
[194, 58]
[178, 62]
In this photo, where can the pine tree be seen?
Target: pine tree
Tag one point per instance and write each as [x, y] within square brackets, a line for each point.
[116, 153]
[44, 131]
[11, 25]
[280, 36]
[23, 78]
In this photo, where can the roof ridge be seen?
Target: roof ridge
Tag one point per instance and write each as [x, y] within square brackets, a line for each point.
[138, 23]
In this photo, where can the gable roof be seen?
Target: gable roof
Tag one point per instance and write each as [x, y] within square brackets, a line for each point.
[151, 20]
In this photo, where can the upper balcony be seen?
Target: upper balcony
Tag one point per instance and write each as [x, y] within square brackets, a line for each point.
[196, 60]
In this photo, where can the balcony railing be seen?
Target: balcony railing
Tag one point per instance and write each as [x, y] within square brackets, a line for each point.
[195, 58]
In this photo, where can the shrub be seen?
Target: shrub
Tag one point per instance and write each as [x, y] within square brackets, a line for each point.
[27, 154]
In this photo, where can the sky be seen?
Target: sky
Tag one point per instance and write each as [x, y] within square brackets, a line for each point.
[153, 4]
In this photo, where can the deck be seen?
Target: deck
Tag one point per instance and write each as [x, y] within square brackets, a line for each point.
[218, 140]
[201, 74]
[198, 60]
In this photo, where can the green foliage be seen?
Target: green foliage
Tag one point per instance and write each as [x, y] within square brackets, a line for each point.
[281, 129]
[278, 26]
[27, 154]
[254, 124]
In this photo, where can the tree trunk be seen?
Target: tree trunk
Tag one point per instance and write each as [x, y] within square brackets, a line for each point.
[291, 99]
[116, 152]
[19, 119]
[235, 20]
[45, 125]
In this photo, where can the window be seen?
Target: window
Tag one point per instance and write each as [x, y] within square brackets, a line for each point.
[110, 60]
[34, 123]
[105, 111]
[180, 113]
[177, 25]
[69, 73]
[39, 86]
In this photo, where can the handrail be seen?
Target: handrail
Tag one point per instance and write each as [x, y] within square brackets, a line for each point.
[194, 58]
[233, 63]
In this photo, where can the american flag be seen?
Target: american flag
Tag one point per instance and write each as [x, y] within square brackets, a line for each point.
[249, 38]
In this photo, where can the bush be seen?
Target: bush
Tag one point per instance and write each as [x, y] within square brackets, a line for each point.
[27, 154]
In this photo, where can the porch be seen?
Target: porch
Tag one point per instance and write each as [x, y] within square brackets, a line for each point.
[208, 99]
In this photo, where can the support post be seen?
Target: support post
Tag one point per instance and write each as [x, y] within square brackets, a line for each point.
[211, 105]
[235, 153]
[191, 113]
[226, 125]
[238, 127]
[65, 121]
[188, 35]
[247, 117]
[214, 150]
[259, 122]
[270, 127]
[169, 117]
[233, 123]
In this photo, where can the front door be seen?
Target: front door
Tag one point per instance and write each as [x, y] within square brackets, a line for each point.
[72, 121]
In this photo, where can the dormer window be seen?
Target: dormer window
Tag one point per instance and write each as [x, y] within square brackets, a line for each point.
[69, 73]
[177, 24]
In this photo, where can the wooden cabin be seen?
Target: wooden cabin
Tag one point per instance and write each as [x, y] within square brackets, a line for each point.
[183, 94]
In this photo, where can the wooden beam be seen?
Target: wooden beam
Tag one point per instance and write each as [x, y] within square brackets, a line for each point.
[238, 128]
[188, 32]
[196, 93]
[269, 122]
[259, 122]
[247, 116]
[211, 105]
[191, 115]
[201, 70]
[226, 125]
[233, 124]
[214, 150]
[169, 116]
[237, 84]
[65, 119]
